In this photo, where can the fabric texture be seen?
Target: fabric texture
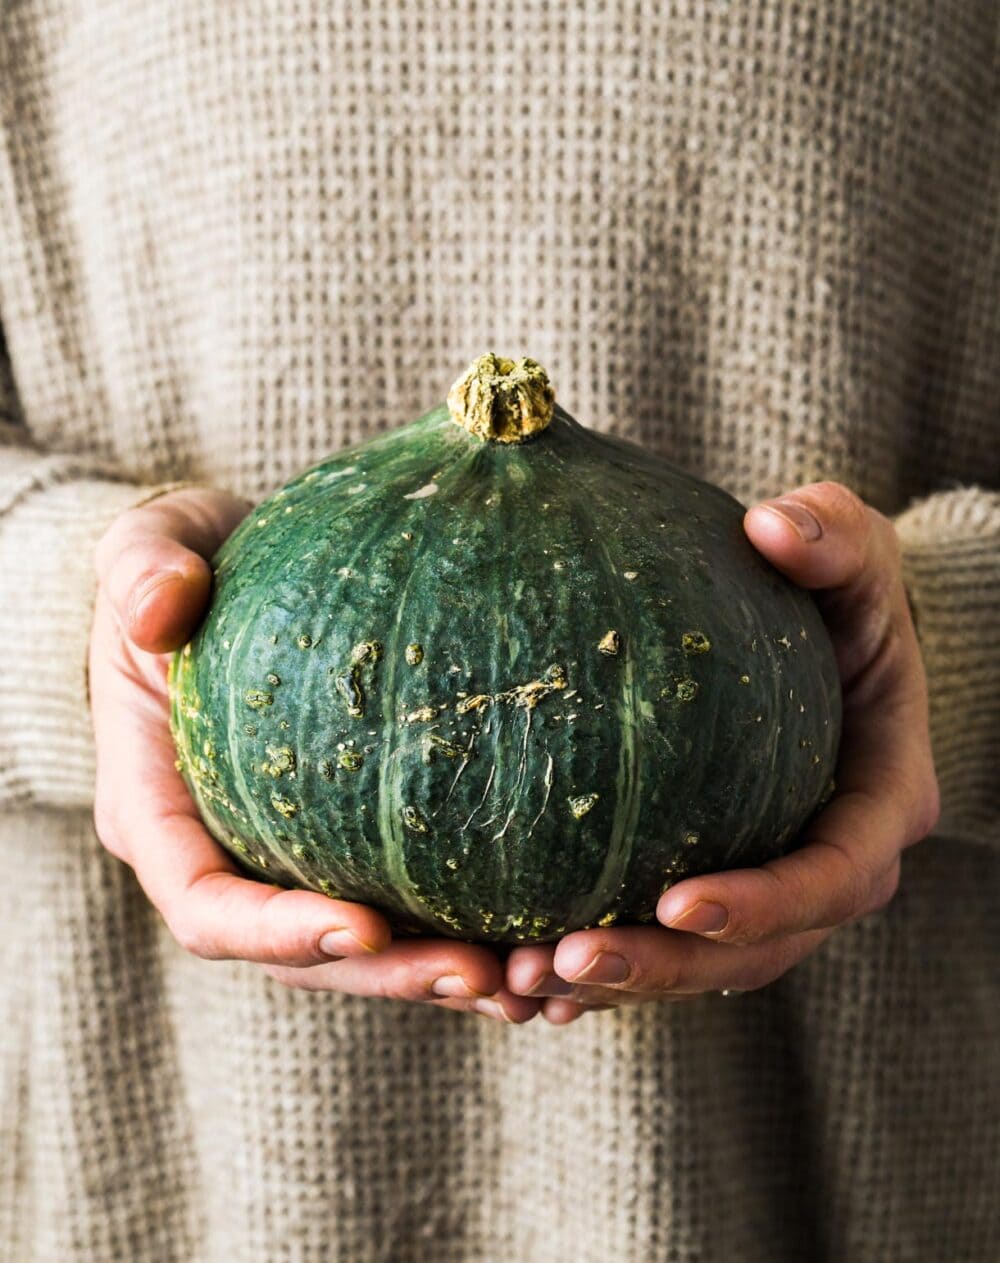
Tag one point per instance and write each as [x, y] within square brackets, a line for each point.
[761, 239]
[51, 514]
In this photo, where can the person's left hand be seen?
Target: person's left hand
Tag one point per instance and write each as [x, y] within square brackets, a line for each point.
[742, 929]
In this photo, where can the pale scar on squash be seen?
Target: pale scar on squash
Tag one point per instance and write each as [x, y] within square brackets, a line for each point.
[525, 695]
[422, 715]
[433, 745]
[610, 643]
[683, 689]
[695, 642]
[284, 806]
[583, 803]
[281, 760]
[414, 820]
[348, 683]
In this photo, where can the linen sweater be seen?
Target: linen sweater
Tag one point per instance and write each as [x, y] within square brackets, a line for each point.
[758, 237]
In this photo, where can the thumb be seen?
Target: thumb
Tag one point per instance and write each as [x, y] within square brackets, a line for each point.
[821, 536]
[153, 563]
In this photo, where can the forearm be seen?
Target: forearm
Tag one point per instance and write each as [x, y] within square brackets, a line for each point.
[951, 567]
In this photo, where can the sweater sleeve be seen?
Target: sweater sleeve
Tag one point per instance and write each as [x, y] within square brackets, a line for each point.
[53, 510]
[951, 567]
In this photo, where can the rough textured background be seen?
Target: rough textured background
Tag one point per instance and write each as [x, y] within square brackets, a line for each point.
[761, 238]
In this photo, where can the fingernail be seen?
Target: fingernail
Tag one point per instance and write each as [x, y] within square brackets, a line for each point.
[551, 984]
[605, 967]
[797, 515]
[491, 1008]
[342, 943]
[144, 590]
[702, 918]
[454, 987]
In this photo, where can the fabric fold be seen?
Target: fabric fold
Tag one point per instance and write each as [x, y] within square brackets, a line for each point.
[53, 510]
[951, 567]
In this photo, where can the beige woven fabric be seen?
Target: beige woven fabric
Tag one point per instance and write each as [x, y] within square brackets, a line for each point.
[760, 237]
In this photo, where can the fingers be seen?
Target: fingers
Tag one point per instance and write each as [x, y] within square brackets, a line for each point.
[820, 535]
[823, 537]
[145, 816]
[562, 1012]
[153, 562]
[747, 927]
[531, 972]
[215, 913]
[530, 967]
[447, 973]
[634, 964]
[153, 566]
[848, 863]
[848, 869]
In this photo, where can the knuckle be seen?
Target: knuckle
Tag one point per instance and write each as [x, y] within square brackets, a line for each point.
[273, 933]
[855, 524]
[404, 981]
[124, 534]
[668, 977]
[773, 964]
[292, 979]
[883, 891]
[741, 930]
[855, 895]
[108, 545]
[919, 800]
[764, 974]
[789, 890]
[843, 504]
[849, 881]
[107, 826]
[761, 919]
[410, 984]
[883, 528]
[189, 935]
[928, 807]
[289, 983]
[890, 538]
[882, 585]
[680, 967]
[879, 893]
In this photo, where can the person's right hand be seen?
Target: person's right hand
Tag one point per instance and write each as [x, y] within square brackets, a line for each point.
[154, 584]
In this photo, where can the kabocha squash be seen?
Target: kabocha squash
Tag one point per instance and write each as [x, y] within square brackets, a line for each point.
[502, 679]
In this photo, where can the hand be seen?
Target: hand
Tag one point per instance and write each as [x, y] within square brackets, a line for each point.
[742, 929]
[154, 584]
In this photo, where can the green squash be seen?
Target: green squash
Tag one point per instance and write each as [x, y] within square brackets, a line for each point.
[503, 679]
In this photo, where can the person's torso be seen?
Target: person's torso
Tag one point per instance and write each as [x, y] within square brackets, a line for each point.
[757, 237]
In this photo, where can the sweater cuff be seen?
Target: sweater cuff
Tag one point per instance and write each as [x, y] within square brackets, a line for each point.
[951, 569]
[53, 510]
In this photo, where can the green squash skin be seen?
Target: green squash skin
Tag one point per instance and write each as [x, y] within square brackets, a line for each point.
[709, 738]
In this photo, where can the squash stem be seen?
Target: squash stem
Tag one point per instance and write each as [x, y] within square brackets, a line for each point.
[502, 401]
